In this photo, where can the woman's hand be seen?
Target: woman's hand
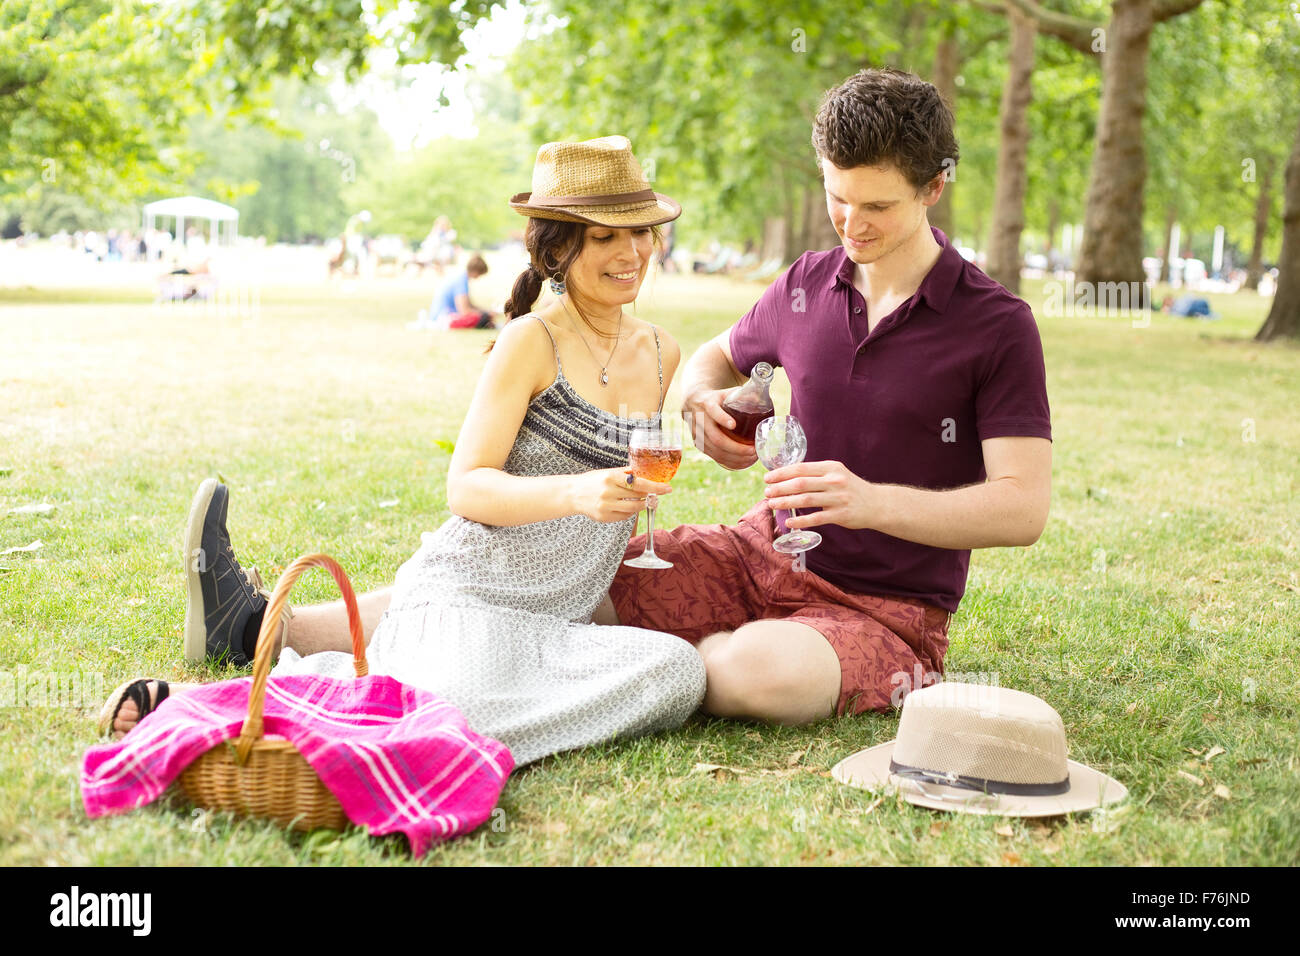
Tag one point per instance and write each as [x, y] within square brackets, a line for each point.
[606, 496]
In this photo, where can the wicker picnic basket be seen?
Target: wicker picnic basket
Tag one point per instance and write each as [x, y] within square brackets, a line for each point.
[256, 777]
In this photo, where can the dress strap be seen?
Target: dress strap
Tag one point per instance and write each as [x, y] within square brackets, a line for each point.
[558, 367]
[660, 356]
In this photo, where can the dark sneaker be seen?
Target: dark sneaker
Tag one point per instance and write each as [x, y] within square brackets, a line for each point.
[223, 597]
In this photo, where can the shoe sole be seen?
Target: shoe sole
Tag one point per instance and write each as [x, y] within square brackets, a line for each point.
[196, 632]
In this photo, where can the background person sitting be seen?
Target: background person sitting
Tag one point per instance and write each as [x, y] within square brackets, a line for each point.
[185, 282]
[451, 308]
[1188, 306]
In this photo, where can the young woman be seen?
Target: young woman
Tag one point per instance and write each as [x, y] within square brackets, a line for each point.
[493, 612]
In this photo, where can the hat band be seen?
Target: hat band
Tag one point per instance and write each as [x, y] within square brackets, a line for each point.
[643, 195]
[976, 783]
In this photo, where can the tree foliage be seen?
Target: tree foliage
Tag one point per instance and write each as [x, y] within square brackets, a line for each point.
[250, 40]
[289, 171]
[98, 100]
[467, 180]
[717, 97]
[93, 94]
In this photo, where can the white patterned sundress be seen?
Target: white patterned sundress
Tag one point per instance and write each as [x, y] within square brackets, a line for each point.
[497, 620]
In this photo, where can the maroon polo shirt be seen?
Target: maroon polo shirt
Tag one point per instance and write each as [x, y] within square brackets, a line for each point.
[958, 362]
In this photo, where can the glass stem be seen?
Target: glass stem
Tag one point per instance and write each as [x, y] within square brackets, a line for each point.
[650, 502]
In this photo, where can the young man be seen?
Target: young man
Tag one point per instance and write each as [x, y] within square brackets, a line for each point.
[920, 384]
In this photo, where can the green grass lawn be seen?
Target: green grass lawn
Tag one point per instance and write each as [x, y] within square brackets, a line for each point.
[1158, 613]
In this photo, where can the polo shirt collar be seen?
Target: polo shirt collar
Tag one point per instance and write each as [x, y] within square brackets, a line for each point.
[937, 286]
[847, 265]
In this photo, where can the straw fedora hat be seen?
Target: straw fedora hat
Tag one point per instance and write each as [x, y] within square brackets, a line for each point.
[973, 748]
[598, 182]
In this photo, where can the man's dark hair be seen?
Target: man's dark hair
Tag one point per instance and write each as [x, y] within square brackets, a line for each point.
[476, 266]
[887, 116]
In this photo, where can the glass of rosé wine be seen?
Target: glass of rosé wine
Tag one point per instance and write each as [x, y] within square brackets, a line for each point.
[654, 452]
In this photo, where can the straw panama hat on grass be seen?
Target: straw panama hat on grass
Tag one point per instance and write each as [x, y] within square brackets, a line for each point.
[972, 748]
[598, 182]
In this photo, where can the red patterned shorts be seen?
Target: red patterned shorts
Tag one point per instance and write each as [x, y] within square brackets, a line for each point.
[724, 576]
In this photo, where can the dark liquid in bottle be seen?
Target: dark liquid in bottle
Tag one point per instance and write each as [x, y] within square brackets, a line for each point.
[746, 422]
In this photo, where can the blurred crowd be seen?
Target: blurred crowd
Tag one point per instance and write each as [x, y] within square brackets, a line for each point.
[145, 245]
[355, 253]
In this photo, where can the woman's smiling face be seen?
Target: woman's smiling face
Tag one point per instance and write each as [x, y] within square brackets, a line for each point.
[607, 273]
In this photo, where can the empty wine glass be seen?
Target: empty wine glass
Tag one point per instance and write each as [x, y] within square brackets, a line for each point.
[654, 452]
[780, 441]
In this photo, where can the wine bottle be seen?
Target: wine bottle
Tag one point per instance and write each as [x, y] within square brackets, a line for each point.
[750, 404]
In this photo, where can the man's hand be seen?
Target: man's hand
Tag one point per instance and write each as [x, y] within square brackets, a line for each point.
[843, 497]
[703, 414]
[1008, 509]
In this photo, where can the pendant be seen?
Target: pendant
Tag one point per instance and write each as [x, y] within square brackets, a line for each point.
[604, 378]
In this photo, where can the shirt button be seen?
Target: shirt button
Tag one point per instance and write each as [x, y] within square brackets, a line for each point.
[857, 311]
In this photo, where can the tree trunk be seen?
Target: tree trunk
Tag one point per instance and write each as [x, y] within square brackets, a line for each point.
[821, 231]
[1112, 235]
[806, 197]
[1284, 318]
[817, 230]
[1171, 219]
[910, 24]
[773, 246]
[788, 240]
[1053, 223]
[790, 207]
[1255, 270]
[1013, 145]
[947, 61]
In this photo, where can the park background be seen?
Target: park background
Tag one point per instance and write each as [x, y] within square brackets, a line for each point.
[1103, 145]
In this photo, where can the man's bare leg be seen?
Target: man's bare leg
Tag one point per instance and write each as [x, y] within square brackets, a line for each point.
[778, 671]
[324, 627]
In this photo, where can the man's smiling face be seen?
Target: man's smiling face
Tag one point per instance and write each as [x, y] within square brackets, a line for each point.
[874, 209]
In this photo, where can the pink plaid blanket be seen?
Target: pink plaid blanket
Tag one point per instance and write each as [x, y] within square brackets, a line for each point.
[396, 757]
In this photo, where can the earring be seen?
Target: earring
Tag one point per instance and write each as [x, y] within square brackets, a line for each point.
[557, 284]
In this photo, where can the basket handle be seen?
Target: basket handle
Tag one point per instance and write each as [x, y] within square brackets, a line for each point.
[266, 640]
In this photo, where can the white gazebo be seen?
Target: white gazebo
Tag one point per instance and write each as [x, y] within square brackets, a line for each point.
[193, 207]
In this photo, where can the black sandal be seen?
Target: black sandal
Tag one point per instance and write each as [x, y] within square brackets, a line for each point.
[136, 691]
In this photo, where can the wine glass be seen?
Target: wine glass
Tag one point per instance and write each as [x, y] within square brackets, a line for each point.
[654, 452]
[780, 441]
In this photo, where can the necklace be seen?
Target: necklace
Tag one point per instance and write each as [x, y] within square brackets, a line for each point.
[604, 376]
